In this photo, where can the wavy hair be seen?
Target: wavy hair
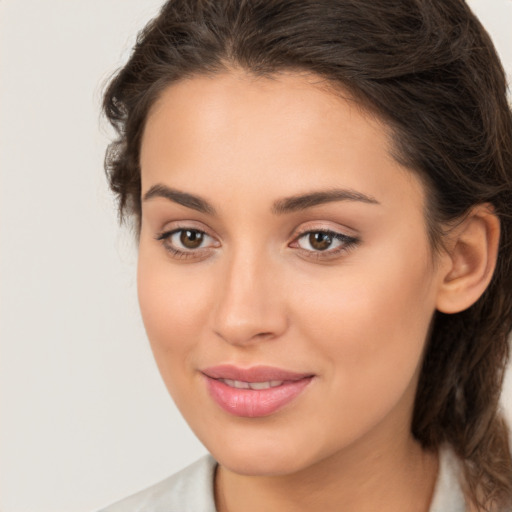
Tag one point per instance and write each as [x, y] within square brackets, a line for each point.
[430, 71]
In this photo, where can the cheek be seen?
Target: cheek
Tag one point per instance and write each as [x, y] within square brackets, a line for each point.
[370, 320]
[174, 307]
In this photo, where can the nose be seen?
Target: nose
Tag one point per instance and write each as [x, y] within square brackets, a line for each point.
[250, 306]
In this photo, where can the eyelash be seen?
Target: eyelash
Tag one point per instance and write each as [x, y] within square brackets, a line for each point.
[165, 237]
[347, 243]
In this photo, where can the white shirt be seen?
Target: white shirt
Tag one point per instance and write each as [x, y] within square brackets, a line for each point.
[191, 490]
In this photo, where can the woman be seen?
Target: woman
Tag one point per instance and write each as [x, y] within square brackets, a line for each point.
[323, 199]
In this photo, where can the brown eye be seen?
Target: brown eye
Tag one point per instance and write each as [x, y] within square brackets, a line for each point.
[191, 238]
[319, 240]
[186, 241]
[328, 243]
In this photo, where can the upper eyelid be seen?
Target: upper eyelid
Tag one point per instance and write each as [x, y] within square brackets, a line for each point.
[167, 233]
[301, 231]
[337, 235]
[294, 235]
[320, 230]
[173, 226]
[348, 243]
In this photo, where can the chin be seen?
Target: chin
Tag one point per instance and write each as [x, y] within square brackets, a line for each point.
[271, 465]
[260, 459]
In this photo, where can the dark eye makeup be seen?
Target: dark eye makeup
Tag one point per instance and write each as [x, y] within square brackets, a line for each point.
[323, 243]
[187, 242]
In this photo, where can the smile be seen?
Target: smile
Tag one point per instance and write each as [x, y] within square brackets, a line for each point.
[240, 384]
[255, 392]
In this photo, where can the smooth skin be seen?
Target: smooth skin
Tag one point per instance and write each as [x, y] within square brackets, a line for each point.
[234, 270]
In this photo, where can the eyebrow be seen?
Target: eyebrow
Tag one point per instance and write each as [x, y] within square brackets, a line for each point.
[183, 198]
[304, 201]
[281, 206]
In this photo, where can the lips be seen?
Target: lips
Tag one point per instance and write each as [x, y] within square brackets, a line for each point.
[254, 392]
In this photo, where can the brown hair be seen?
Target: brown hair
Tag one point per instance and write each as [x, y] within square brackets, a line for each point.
[428, 69]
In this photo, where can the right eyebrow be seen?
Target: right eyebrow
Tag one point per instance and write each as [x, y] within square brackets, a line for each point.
[183, 198]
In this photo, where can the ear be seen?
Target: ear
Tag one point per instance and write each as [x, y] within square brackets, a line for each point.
[469, 260]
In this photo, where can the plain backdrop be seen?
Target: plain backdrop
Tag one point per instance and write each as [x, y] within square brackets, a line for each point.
[85, 418]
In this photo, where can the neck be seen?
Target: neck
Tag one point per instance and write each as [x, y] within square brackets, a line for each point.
[400, 476]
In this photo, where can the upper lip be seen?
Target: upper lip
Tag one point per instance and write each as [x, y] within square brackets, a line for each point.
[253, 374]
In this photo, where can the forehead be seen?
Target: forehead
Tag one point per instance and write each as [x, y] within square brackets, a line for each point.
[285, 129]
[212, 103]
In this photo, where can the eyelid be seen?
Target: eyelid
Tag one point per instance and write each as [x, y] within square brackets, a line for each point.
[182, 225]
[348, 241]
[321, 224]
[164, 237]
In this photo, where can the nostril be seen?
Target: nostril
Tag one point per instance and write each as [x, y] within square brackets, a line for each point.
[240, 337]
[245, 312]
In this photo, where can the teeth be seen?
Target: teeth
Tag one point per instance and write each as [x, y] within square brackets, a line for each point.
[236, 383]
[265, 385]
[239, 384]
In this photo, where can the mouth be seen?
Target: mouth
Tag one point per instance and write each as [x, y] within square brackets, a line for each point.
[254, 392]
[240, 384]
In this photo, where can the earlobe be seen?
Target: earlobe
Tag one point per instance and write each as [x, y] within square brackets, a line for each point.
[470, 260]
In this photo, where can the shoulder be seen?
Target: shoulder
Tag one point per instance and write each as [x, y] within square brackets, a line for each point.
[190, 489]
[448, 494]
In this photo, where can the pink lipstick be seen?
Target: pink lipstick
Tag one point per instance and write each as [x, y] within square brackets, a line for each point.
[254, 392]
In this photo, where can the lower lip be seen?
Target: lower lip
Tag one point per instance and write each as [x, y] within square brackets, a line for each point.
[252, 403]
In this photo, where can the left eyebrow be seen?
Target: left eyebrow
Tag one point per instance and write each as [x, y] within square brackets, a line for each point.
[304, 201]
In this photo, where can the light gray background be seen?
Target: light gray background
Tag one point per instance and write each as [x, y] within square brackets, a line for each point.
[85, 418]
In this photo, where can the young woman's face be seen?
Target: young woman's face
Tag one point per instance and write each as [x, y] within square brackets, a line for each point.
[285, 276]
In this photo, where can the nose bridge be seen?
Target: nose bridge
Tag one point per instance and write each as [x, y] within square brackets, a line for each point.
[248, 307]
